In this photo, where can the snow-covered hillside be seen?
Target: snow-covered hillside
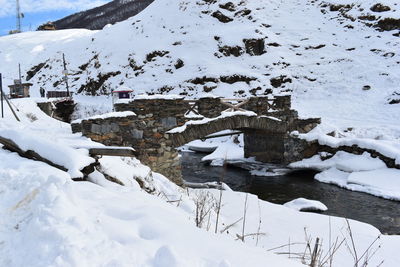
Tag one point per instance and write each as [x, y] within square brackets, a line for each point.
[188, 47]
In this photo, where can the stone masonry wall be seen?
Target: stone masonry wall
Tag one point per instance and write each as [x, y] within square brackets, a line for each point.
[145, 132]
[279, 106]
[155, 149]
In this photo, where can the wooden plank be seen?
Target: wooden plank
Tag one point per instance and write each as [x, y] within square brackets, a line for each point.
[13, 147]
[192, 108]
[30, 154]
[235, 107]
[114, 152]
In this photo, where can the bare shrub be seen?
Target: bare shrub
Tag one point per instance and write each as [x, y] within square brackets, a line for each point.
[32, 117]
[204, 202]
[314, 256]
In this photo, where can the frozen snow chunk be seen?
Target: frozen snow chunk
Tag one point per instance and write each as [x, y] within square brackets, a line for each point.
[382, 182]
[333, 176]
[303, 204]
[269, 172]
[353, 163]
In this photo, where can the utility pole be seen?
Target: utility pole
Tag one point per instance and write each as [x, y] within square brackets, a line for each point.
[20, 79]
[19, 15]
[65, 72]
[1, 89]
[8, 103]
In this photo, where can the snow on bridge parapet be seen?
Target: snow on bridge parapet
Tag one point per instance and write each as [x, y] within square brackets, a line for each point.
[237, 120]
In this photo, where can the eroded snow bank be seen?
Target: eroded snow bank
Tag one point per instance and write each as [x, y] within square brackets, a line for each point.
[356, 172]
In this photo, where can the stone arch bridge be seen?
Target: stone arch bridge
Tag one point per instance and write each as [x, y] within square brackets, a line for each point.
[159, 124]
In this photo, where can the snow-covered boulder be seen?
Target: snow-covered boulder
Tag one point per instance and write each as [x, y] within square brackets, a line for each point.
[303, 204]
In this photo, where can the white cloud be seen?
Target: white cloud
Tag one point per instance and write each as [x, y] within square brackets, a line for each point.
[7, 7]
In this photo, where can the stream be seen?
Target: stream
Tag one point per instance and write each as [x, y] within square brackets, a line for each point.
[381, 213]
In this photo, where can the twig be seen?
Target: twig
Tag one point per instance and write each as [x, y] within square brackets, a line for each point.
[259, 222]
[352, 242]
[220, 195]
[230, 225]
[244, 217]
[366, 251]
[297, 243]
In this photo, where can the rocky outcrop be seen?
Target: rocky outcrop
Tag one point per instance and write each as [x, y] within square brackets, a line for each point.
[254, 47]
[221, 17]
[388, 24]
[380, 8]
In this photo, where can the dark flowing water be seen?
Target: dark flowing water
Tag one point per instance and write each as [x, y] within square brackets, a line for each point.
[383, 214]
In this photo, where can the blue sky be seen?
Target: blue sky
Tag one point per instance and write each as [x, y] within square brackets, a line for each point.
[37, 12]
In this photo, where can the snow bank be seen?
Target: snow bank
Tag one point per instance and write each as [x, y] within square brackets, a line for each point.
[343, 161]
[52, 221]
[356, 172]
[73, 160]
[388, 148]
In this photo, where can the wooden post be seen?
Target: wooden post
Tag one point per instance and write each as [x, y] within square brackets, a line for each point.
[66, 74]
[9, 105]
[20, 80]
[1, 89]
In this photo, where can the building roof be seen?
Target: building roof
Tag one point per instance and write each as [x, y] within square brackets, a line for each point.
[22, 84]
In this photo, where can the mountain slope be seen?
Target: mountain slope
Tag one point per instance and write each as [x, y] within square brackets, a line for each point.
[97, 18]
[230, 48]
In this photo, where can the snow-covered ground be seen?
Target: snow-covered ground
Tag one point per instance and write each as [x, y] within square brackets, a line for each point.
[49, 220]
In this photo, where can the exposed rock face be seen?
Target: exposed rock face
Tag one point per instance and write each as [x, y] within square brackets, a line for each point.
[97, 87]
[278, 81]
[388, 24]
[221, 17]
[380, 8]
[62, 111]
[235, 51]
[254, 47]
[97, 18]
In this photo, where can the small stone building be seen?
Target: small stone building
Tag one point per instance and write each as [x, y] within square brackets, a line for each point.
[122, 93]
[19, 90]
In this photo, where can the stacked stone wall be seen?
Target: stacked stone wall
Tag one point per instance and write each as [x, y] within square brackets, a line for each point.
[265, 138]
[210, 107]
[145, 132]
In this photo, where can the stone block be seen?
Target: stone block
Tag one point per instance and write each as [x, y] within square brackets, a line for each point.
[169, 122]
[95, 128]
[137, 134]
[158, 135]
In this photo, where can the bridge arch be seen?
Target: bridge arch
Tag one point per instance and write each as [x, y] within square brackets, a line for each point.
[194, 130]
